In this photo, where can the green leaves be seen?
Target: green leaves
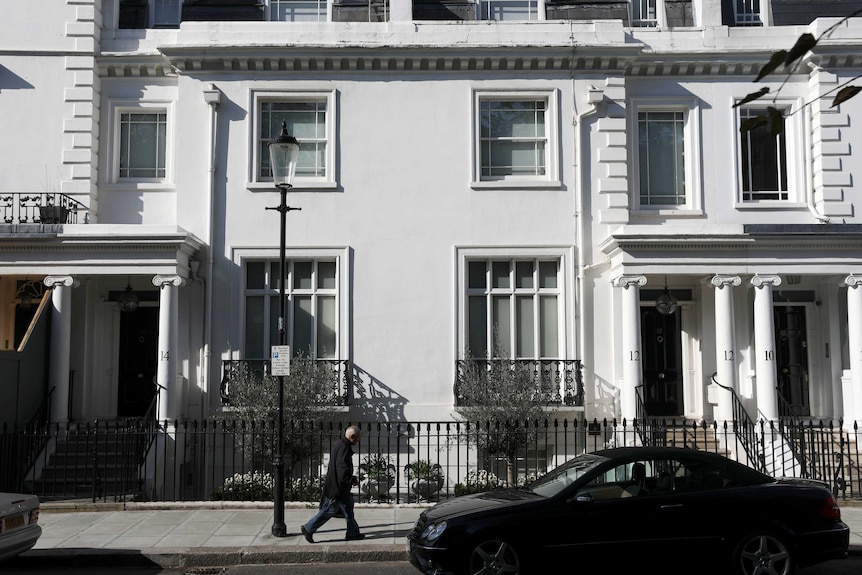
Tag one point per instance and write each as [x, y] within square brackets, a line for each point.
[775, 61]
[845, 94]
[804, 43]
[753, 96]
[774, 118]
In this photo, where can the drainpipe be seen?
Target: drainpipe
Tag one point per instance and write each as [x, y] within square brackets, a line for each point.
[594, 97]
[212, 96]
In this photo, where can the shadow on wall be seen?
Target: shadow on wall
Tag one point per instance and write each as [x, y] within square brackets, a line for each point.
[9, 80]
[376, 401]
[607, 399]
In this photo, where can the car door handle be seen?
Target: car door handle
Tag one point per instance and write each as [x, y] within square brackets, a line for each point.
[673, 506]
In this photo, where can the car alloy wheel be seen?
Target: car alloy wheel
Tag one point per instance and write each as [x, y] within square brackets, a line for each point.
[494, 557]
[762, 553]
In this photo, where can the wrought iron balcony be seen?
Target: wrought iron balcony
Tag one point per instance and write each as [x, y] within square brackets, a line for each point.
[39, 208]
[553, 381]
[334, 373]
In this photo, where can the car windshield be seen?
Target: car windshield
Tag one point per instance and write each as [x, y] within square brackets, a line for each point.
[559, 478]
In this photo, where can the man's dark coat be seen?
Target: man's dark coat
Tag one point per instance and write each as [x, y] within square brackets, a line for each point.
[339, 474]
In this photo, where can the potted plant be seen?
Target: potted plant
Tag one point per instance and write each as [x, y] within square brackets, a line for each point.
[376, 476]
[53, 214]
[425, 478]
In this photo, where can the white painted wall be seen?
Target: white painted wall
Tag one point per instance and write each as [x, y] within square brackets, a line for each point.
[403, 205]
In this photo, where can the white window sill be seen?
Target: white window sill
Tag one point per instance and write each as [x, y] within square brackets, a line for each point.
[770, 205]
[134, 186]
[667, 213]
[302, 186]
[517, 184]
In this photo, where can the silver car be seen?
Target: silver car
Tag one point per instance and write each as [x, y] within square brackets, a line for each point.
[19, 524]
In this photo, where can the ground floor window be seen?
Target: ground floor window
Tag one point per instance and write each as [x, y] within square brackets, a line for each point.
[311, 307]
[513, 308]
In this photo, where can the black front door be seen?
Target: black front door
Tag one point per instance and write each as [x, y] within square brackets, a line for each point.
[661, 356]
[139, 345]
[791, 348]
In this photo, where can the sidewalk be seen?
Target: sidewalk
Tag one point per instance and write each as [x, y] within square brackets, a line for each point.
[213, 534]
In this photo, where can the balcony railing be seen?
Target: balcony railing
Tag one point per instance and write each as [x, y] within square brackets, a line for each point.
[335, 373]
[554, 381]
[39, 208]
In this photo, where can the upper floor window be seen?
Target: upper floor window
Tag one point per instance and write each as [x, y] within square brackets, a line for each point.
[763, 160]
[747, 13]
[140, 142]
[297, 10]
[310, 120]
[644, 13]
[514, 307]
[166, 13]
[665, 164]
[509, 10]
[311, 315]
[515, 137]
[661, 157]
[169, 13]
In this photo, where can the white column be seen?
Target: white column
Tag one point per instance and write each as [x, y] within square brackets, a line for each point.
[764, 340]
[170, 393]
[61, 341]
[725, 344]
[853, 394]
[631, 338]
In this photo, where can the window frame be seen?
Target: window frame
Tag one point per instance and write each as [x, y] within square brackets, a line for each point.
[536, 10]
[750, 18]
[243, 256]
[323, 16]
[258, 97]
[692, 150]
[322, 12]
[166, 25]
[551, 178]
[797, 156]
[564, 290]
[116, 110]
[647, 23]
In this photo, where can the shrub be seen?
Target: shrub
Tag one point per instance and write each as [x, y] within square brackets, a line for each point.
[258, 486]
[479, 482]
[304, 489]
[251, 486]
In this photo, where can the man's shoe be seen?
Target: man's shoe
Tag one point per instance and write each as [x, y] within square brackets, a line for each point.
[307, 535]
[356, 537]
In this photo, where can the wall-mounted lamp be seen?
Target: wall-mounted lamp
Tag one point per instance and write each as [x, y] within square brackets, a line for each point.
[666, 304]
[128, 301]
[27, 291]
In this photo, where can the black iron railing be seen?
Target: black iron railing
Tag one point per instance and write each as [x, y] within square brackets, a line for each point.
[744, 429]
[40, 208]
[222, 459]
[332, 375]
[553, 381]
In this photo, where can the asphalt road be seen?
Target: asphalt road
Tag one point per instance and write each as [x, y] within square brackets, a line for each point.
[850, 566]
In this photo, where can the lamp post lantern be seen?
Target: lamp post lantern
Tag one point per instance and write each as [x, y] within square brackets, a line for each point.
[283, 153]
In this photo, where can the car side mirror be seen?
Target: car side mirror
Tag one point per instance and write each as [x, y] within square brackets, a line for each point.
[583, 497]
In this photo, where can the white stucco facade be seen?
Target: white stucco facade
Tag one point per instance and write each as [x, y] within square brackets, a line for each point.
[398, 208]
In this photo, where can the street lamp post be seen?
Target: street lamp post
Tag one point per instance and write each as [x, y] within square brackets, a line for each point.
[283, 153]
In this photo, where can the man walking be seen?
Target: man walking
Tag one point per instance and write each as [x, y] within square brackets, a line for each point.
[337, 498]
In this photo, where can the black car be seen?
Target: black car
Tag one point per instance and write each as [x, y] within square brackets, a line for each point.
[648, 506]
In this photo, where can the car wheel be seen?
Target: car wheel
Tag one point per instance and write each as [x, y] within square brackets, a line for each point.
[762, 553]
[494, 557]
